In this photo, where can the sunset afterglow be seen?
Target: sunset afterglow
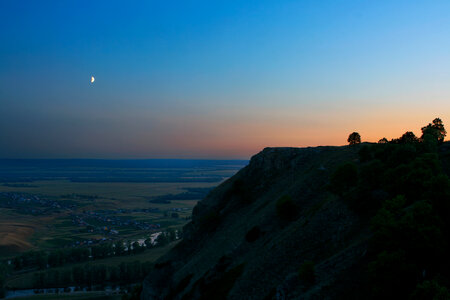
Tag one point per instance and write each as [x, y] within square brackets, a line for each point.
[204, 80]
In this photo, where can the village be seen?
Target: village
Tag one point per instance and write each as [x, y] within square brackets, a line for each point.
[110, 218]
[31, 204]
[107, 222]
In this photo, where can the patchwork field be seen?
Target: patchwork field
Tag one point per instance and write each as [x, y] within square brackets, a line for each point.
[20, 231]
[47, 204]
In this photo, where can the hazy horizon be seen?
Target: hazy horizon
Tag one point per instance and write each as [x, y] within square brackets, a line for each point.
[124, 159]
[216, 80]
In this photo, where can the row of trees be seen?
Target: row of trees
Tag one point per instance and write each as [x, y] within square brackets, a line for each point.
[43, 259]
[433, 132]
[89, 275]
[3, 274]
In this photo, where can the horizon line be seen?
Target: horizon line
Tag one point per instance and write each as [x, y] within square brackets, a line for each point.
[73, 158]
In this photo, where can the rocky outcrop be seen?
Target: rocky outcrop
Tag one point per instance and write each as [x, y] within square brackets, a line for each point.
[238, 247]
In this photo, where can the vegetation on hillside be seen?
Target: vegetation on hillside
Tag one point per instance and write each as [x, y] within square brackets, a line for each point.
[402, 187]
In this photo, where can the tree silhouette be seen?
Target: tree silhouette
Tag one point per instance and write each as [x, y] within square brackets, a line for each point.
[354, 138]
[408, 137]
[435, 129]
[383, 141]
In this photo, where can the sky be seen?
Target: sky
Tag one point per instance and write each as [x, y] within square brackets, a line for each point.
[216, 79]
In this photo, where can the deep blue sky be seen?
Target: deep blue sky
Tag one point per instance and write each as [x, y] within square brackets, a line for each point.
[199, 79]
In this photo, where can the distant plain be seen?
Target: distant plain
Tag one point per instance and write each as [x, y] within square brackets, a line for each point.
[79, 186]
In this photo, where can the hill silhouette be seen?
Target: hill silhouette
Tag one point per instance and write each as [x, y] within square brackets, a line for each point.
[365, 221]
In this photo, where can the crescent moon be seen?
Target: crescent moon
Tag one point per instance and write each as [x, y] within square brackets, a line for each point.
[92, 79]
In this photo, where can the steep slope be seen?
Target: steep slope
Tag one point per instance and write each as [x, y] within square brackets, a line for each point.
[238, 247]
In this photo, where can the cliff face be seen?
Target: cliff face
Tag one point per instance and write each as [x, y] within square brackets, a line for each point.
[238, 247]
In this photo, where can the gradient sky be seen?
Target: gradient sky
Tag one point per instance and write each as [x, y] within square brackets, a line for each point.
[216, 79]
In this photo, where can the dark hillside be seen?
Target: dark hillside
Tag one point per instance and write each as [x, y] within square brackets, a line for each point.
[355, 222]
[241, 242]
